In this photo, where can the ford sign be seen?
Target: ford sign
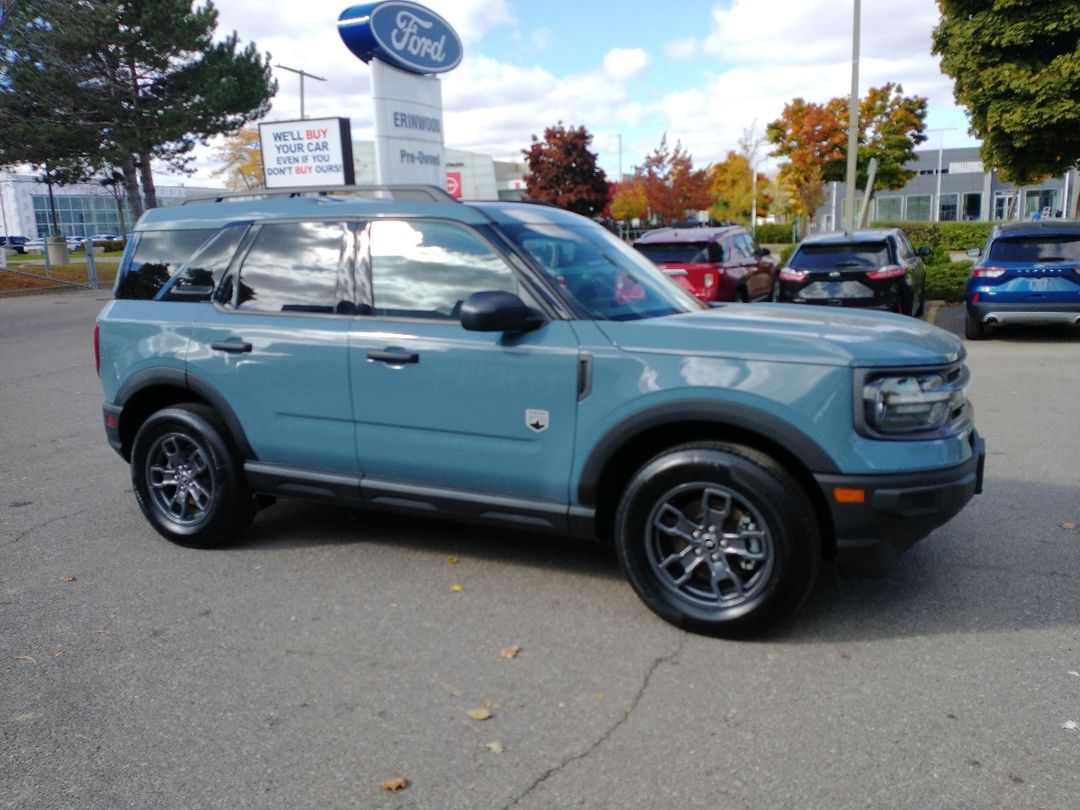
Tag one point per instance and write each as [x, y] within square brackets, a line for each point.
[405, 35]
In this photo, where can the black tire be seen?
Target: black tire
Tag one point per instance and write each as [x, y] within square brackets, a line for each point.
[920, 310]
[974, 329]
[736, 572]
[774, 296]
[187, 478]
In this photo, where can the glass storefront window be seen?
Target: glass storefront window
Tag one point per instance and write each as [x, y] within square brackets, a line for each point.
[918, 208]
[890, 209]
[947, 209]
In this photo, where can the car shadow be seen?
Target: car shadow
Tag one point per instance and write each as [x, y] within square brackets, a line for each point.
[297, 524]
[961, 579]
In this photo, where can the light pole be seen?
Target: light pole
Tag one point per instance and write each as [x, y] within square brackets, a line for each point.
[940, 149]
[853, 128]
[302, 74]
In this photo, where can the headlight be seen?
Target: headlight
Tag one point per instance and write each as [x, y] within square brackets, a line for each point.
[916, 403]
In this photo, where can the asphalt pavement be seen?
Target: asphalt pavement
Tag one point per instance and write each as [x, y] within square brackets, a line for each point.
[335, 650]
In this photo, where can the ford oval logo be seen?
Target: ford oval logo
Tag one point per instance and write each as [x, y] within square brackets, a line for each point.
[405, 35]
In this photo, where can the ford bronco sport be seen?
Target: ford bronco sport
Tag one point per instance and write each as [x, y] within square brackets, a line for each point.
[519, 365]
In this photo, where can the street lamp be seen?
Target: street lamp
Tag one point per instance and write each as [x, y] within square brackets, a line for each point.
[302, 74]
[853, 128]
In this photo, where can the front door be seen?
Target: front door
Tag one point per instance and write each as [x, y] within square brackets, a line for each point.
[436, 405]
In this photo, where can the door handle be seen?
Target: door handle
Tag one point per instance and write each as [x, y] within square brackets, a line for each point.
[232, 346]
[393, 358]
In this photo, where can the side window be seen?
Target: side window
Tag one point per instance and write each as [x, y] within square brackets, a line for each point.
[427, 269]
[158, 254]
[744, 245]
[300, 267]
[199, 276]
[904, 248]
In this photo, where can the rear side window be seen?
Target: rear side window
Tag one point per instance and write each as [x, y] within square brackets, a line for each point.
[678, 252]
[300, 267]
[1036, 249]
[861, 254]
[158, 255]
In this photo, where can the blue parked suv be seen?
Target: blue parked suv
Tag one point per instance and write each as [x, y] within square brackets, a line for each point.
[519, 365]
[1028, 273]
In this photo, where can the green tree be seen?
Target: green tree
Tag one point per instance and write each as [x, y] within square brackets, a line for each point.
[891, 125]
[673, 187]
[1016, 68]
[563, 172]
[123, 83]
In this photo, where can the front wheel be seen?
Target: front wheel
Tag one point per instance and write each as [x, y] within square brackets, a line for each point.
[187, 479]
[717, 539]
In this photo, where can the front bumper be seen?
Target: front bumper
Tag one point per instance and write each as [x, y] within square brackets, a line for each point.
[898, 510]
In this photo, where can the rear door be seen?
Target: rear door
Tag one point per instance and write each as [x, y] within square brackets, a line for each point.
[275, 344]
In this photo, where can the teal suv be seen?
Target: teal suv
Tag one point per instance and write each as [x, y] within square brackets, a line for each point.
[518, 365]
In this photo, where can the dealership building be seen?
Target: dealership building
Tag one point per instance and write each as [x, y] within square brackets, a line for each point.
[951, 185]
[91, 208]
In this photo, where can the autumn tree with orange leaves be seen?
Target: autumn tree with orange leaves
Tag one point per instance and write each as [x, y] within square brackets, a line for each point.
[673, 187]
[813, 138]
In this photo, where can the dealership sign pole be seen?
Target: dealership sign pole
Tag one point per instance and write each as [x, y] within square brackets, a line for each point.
[406, 45]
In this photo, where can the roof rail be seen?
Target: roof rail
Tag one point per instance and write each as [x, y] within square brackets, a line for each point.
[398, 193]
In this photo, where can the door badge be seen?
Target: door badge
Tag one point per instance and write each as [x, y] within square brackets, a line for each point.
[537, 420]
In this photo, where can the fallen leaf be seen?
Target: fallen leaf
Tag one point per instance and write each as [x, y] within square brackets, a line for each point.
[57, 652]
[479, 714]
[29, 658]
[510, 652]
[847, 655]
[452, 560]
[457, 588]
[68, 578]
[494, 747]
[395, 784]
[1067, 525]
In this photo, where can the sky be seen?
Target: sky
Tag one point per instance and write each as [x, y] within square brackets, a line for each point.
[704, 73]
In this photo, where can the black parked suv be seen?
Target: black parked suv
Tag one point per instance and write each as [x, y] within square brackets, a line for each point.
[878, 269]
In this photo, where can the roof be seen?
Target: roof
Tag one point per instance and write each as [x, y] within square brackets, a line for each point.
[667, 235]
[843, 238]
[1042, 227]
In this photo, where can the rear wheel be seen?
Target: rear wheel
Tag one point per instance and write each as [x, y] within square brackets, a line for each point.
[187, 478]
[717, 539]
[974, 329]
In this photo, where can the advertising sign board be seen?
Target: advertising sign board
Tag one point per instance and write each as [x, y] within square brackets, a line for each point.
[309, 152]
[405, 35]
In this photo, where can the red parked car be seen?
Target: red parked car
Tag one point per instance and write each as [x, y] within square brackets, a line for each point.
[714, 264]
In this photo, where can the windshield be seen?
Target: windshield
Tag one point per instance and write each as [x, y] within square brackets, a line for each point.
[610, 280]
[1036, 249]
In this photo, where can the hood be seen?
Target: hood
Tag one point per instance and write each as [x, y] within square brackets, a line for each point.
[793, 333]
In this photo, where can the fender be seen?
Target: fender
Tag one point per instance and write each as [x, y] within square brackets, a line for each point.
[178, 378]
[751, 420]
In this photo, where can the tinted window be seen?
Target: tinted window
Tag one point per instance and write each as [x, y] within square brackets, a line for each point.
[1036, 249]
[197, 279]
[300, 267]
[158, 254]
[822, 256]
[677, 252]
[427, 269]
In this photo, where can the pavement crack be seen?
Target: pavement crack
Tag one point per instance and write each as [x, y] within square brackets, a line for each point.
[39, 526]
[603, 738]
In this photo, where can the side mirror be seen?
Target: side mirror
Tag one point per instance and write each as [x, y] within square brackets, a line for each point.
[498, 311]
[923, 251]
[762, 251]
[974, 252]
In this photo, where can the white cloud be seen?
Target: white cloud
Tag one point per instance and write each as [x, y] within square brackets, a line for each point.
[625, 63]
[542, 38]
[682, 50]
